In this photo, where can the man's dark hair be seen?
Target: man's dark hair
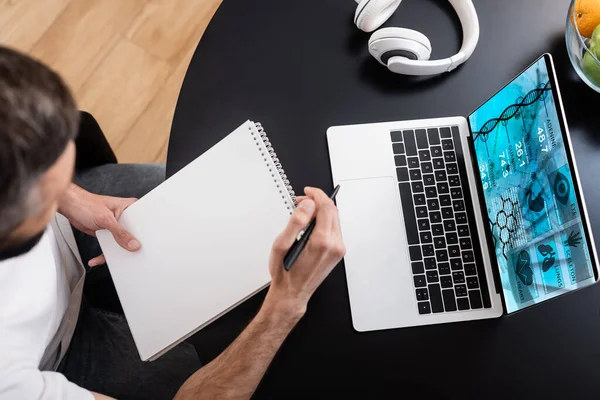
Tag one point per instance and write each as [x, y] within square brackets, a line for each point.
[38, 118]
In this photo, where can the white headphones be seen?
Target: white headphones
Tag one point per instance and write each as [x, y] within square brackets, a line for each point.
[407, 52]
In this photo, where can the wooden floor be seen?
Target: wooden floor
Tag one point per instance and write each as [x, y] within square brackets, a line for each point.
[125, 60]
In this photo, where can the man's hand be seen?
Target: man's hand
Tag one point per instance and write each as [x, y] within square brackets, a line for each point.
[90, 212]
[322, 253]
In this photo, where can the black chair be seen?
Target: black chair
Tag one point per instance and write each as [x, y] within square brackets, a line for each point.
[92, 147]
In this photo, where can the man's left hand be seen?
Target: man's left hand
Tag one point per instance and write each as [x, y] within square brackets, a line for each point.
[90, 212]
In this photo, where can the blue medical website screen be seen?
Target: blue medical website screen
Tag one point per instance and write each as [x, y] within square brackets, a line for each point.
[534, 214]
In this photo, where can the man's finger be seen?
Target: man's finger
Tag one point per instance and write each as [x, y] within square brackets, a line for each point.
[298, 221]
[94, 262]
[121, 235]
[326, 210]
[122, 204]
[300, 199]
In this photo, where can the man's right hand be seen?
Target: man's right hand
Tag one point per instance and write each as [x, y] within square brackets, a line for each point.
[292, 289]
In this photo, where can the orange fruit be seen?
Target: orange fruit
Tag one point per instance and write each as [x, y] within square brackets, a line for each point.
[587, 14]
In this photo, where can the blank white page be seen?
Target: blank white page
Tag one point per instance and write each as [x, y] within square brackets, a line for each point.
[206, 236]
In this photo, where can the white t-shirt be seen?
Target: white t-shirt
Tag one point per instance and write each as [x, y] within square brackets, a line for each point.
[34, 296]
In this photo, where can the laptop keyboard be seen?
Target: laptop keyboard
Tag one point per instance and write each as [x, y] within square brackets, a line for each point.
[445, 259]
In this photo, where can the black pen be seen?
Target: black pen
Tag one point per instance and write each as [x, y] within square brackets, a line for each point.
[294, 251]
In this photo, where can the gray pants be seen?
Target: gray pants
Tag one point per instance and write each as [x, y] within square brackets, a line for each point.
[102, 356]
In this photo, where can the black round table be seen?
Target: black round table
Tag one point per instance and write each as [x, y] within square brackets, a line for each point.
[301, 66]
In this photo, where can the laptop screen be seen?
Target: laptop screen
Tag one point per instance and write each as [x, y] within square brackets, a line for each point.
[531, 197]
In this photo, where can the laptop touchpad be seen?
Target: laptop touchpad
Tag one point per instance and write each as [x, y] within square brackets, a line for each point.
[377, 264]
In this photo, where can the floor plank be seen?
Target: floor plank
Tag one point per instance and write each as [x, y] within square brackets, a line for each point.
[83, 35]
[24, 22]
[134, 78]
[149, 137]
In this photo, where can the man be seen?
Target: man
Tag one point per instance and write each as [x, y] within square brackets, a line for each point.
[56, 345]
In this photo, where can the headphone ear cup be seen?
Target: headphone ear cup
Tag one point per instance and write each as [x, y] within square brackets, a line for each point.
[371, 14]
[399, 42]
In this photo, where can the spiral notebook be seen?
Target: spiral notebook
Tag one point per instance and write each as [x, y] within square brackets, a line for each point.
[206, 236]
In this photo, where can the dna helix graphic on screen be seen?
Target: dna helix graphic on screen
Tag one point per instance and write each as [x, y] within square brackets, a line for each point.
[513, 110]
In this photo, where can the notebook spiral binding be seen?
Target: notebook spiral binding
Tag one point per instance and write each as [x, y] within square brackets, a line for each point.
[278, 167]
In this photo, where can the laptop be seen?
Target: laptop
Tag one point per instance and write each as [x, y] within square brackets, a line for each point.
[457, 219]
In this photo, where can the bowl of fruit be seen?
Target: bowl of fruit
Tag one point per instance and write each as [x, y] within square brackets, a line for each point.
[583, 40]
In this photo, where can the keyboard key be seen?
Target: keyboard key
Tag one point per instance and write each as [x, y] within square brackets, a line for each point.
[446, 281]
[444, 268]
[452, 169]
[436, 151]
[430, 192]
[446, 211]
[456, 193]
[409, 141]
[475, 299]
[421, 212]
[465, 243]
[415, 253]
[435, 296]
[421, 137]
[441, 255]
[458, 277]
[449, 225]
[400, 160]
[410, 221]
[440, 242]
[402, 174]
[396, 136]
[417, 187]
[434, 136]
[458, 205]
[430, 263]
[454, 251]
[426, 167]
[451, 238]
[463, 230]
[449, 301]
[438, 163]
[461, 218]
[456, 264]
[437, 229]
[440, 175]
[413, 162]
[423, 224]
[422, 294]
[398, 148]
[463, 303]
[445, 132]
[420, 281]
[432, 276]
[424, 307]
[428, 179]
[470, 269]
[415, 175]
[427, 250]
[447, 144]
[419, 199]
[433, 204]
[454, 180]
[461, 290]
[417, 267]
[443, 188]
[435, 217]
[426, 237]
[424, 155]
[472, 282]
[449, 156]
[468, 256]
